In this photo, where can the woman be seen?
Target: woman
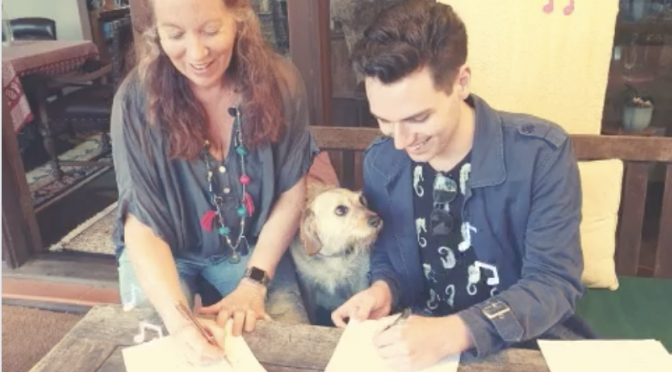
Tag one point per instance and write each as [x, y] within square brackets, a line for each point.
[211, 147]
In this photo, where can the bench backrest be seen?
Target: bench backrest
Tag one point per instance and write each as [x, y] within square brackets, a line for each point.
[345, 146]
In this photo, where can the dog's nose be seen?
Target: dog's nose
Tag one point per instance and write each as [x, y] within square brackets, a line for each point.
[374, 221]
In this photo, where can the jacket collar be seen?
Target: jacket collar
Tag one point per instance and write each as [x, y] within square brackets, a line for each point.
[487, 156]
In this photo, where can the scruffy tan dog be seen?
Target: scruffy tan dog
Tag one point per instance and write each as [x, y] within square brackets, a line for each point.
[332, 252]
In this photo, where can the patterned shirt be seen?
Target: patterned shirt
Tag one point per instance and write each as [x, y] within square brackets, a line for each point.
[453, 276]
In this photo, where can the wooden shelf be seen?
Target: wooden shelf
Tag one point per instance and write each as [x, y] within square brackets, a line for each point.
[98, 18]
[110, 14]
[664, 27]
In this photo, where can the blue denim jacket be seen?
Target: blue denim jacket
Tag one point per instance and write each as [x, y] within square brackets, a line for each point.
[524, 201]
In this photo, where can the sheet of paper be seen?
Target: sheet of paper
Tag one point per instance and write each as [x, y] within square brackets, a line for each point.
[605, 355]
[355, 350]
[163, 355]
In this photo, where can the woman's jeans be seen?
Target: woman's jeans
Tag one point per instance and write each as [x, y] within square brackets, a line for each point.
[215, 277]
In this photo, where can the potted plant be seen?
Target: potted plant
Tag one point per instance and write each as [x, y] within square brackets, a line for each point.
[637, 110]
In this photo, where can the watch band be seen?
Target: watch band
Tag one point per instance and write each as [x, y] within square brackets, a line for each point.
[258, 275]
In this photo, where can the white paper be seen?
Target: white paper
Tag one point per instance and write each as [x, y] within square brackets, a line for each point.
[355, 350]
[162, 354]
[605, 355]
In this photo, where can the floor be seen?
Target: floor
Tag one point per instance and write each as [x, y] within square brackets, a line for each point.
[28, 334]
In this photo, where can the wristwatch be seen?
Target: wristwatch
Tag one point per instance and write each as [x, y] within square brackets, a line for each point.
[258, 275]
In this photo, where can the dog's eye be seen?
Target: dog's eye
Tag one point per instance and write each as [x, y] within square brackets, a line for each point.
[362, 200]
[341, 210]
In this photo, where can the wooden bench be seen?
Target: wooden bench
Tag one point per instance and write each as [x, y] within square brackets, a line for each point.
[637, 309]
[96, 342]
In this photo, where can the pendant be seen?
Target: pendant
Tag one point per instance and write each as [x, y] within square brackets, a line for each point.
[235, 258]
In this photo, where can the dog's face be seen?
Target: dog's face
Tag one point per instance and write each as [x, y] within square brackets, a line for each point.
[337, 220]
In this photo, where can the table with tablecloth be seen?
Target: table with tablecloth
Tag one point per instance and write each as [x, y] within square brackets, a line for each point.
[38, 57]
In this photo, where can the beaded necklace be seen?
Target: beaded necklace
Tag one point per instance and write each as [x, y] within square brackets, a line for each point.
[214, 217]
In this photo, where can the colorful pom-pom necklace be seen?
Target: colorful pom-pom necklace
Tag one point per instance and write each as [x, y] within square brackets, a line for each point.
[213, 218]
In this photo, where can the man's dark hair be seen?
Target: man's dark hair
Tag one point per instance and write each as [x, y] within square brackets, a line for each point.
[408, 36]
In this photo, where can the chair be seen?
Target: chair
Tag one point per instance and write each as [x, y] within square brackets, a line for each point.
[33, 28]
[90, 104]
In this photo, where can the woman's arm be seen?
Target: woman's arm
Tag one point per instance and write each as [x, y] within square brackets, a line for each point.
[279, 229]
[155, 270]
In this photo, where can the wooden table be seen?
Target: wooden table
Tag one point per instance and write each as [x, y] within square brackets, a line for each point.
[42, 57]
[95, 344]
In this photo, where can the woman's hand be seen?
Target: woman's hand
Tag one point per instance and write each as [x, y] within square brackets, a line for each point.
[197, 350]
[421, 342]
[245, 304]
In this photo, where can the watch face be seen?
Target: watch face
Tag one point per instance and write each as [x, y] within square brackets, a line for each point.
[257, 274]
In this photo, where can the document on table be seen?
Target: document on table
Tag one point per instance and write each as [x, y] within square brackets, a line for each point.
[162, 354]
[355, 350]
[605, 355]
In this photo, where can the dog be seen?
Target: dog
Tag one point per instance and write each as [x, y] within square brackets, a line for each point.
[331, 252]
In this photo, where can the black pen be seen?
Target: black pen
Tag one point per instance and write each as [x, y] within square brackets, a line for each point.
[400, 319]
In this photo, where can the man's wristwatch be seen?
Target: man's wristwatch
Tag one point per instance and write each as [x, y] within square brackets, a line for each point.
[258, 275]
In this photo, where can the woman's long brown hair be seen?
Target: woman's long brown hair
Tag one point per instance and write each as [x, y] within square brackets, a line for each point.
[172, 104]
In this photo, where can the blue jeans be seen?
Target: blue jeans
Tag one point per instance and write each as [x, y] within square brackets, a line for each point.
[215, 277]
[196, 276]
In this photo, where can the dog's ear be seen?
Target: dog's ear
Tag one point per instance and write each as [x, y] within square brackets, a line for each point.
[308, 233]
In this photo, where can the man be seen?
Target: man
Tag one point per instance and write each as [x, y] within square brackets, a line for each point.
[481, 207]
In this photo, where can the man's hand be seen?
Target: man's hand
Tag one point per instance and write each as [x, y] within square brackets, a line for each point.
[421, 342]
[245, 305]
[372, 303]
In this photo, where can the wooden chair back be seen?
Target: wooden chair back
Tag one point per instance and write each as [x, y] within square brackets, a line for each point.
[345, 146]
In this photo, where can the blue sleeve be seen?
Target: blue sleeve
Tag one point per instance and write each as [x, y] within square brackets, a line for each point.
[552, 266]
[380, 267]
[136, 155]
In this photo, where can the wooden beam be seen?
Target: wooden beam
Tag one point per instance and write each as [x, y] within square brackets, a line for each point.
[663, 266]
[631, 219]
[309, 46]
[141, 18]
[20, 232]
[586, 147]
[97, 270]
[626, 148]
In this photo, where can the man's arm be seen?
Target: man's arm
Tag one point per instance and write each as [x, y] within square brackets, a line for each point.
[380, 267]
[552, 266]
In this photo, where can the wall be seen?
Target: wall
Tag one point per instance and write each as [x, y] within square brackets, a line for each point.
[552, 65]
[71, 16]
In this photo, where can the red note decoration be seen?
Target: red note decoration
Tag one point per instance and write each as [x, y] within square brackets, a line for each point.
[569, 9]
[206, 220]
[249, 204]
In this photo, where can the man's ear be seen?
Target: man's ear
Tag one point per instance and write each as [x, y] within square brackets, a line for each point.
[464, 81]
[308, 233]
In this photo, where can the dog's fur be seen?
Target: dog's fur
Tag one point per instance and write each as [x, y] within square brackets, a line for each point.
[331, 253]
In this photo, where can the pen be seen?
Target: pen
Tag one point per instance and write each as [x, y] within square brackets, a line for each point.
[187, 314]
[400, 319]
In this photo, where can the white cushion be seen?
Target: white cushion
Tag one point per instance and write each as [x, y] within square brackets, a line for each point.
[601, 182]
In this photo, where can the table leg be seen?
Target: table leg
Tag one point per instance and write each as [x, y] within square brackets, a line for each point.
[45, 130]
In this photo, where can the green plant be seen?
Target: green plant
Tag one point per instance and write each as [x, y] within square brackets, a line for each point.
[630, 97]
